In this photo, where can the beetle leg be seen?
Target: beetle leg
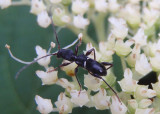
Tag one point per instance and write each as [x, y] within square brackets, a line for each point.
[108, 86]
[76, 70]
[62, 65]
[107, 64]
[90, 51]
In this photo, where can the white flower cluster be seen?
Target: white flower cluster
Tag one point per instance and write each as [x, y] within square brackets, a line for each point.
[133, 36]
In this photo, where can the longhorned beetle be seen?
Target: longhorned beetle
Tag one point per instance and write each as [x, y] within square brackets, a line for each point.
[95, 68]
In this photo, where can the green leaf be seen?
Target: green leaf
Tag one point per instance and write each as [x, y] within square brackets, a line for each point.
[19, 29]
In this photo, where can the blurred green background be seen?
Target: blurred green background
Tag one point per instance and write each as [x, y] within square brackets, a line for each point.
[19, 29]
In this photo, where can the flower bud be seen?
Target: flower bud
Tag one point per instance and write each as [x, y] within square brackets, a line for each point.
[113, 6]
[132, 106]
[150, 16]
[43, 19]
[133, 15]
[123, 49]
[42, 52]
[79, 6]
[142, 66]
[144, 103]
[37, 6]
[64, 104]
[101, 100]
[101, 5]
[119, 27]
[128, 84]
[154, 4]
[60, 18]
[140, 38]
[48, 78]
[79, 98]
[80, 22]
[131, 59]
[155, 62]
[66, 84]
[117, 107]
[92, 82]
[44, 105]
[69, 69]
[156, 87]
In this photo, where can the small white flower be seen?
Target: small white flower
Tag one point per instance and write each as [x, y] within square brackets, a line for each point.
[119, 27]
[42, 52]
[111, 41]
[123, 48]
[101, 5]
[91, 82]
[134, 1]
[64, 104]
[151, 93]
[113, 6]
[44, 105]
[60, 17]
[5, 3]
[156, 87]
[142, 66]
[101, 100]
[79, 6]
[69, 69]
[116, 106]
[131, 59]
[155, 62]
[65, 19]
[145, 111]
[131, 14]
[80, 22]
[79, 98]
[144, 103]
[55, 1]
[140, 37]
[150, 16]
[37, 6]
[154, 4]
[43, 19]
[132, 104]
[143, 92]
[48, 78]
[128, 84]
[66, 84]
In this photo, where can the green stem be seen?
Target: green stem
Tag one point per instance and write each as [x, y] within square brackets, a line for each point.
[86, 38]
[123, 63]
[23, 2]
[99, 23]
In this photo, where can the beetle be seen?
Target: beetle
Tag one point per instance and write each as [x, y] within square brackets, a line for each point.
[95, 68]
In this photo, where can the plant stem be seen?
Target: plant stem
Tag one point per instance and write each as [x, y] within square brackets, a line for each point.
[123, 63]
[99, 23]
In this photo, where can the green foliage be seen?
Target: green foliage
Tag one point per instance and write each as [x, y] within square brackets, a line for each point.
[19, 29]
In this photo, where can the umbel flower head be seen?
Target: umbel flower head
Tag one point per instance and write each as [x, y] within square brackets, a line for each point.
[126, 33]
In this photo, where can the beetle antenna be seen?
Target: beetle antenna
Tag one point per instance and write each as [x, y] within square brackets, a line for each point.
[111, 89]
[53, 27]
[34, 61]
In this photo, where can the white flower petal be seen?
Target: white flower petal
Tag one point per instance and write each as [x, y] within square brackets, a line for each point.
[79, 98]
[80, 22]
[43, 19]
[44, 105]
